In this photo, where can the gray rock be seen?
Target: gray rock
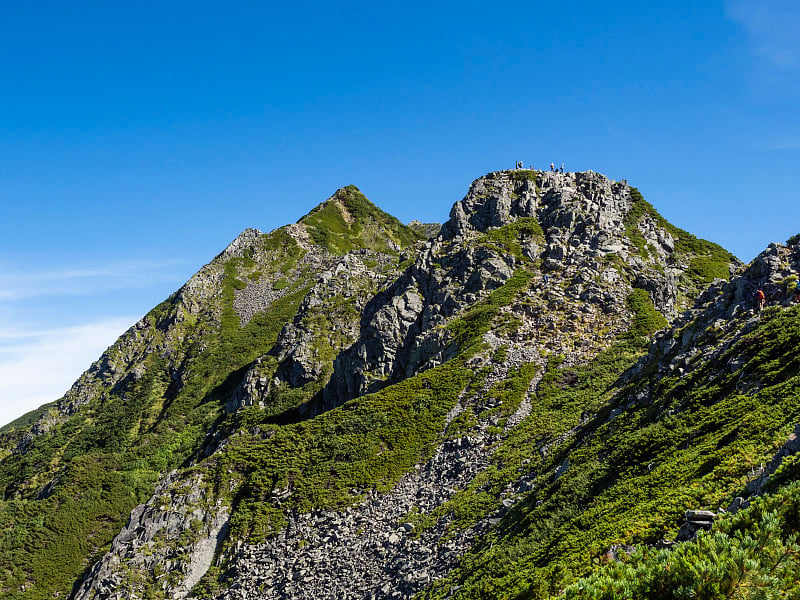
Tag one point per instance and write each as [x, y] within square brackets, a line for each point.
[699, 515]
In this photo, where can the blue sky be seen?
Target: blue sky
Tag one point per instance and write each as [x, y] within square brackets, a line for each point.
[138, 139]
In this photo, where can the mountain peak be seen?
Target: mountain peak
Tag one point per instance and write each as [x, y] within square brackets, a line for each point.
[585, 216]
[500, 197]
[348, 220]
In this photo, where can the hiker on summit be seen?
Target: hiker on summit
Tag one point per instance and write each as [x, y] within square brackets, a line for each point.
[761, 299]
[796, 297]
[552, 167]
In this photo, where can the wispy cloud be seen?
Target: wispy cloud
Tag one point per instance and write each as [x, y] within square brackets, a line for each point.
[16, 284]
[772, 28]
[47, 339]
[38, 366]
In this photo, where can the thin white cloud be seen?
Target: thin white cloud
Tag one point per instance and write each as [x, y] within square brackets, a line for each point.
[39, 366]
[41, 355]
[772, 28]
[18, 285]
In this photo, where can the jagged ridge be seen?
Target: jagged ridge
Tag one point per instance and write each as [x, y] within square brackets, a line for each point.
[473, 357]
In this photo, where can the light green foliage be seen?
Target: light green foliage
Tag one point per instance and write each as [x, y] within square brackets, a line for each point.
[751, 555]
[707, 260]
[462, 424]
[691, 443]
[105, 459]
[789, 283]
[500, 354]
[525, 175]
[646, 319]
[509, 238]
[27, 418]
[482, 495]
[350, 221]
[368, 442]
[466, 331]
[283, 245]
[605, 467]
[563, 396]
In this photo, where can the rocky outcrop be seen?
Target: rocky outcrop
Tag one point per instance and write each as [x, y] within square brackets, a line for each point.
[425, 230]
[725, 312]
[585, 249]
[373, 549]
[175, 536]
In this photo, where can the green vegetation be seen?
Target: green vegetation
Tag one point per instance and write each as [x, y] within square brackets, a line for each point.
[425, 230]
[753, 554]
[706, 260]
[607, 455]
[63, 500]
[789, 283]
[369, 442]
[633, 468]
[483, 495]
[646, 319]
[508, 239]
[524, 175]
[46, 544]
[466, 331]
[27, 418]
[349, 221]
[564, 396]
[500, 354]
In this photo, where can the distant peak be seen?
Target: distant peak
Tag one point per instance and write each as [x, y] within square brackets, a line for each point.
[347, 220]
[345, 200]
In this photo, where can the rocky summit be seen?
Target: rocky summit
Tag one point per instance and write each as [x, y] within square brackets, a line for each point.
[555, 393]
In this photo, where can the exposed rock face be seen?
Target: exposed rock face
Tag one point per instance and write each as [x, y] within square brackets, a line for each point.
[583, 220]
[325, 324]
[158, 333]
[366, 550]
[371, 550]
[426, 230]
[147, 543]
[401, 331]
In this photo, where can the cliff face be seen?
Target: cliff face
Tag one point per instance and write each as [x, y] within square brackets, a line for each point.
[595, 240]
[346, 408]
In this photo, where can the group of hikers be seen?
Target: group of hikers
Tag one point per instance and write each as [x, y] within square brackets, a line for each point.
[553, 167]
[761, 297]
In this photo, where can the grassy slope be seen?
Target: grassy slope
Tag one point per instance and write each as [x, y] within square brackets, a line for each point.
[362, 225]
[753, 554]
[632, 475]
[705, 260]
[107, 457]
[106, 469]
[369, 442]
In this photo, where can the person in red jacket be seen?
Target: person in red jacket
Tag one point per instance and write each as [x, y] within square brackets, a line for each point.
[761, 299]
